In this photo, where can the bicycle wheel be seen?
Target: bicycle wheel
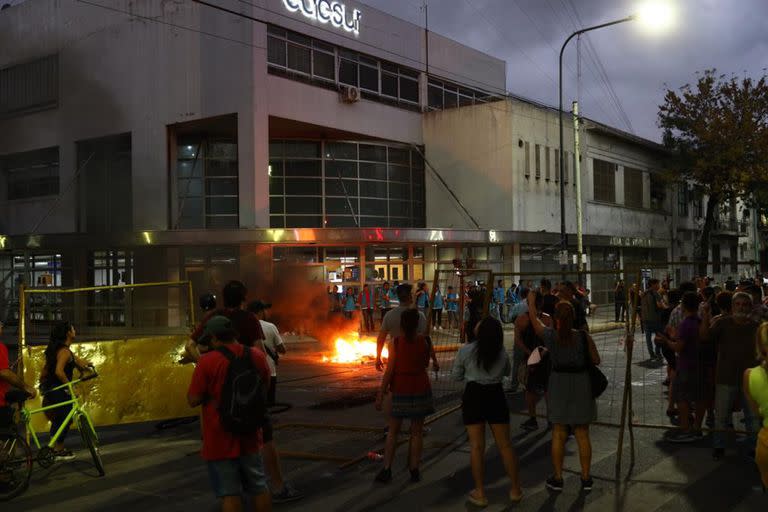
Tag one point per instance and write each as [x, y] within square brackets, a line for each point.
[15, 466]
[90, 440]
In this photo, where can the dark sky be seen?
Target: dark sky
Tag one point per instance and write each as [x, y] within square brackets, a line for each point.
[730, 35]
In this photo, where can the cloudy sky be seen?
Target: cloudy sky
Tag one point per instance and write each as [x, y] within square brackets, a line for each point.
[730, 35]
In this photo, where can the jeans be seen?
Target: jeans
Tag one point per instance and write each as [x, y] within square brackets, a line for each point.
[725, 397]
[621, 311]
[651, 328]
[437, 317]
[233, 477]
[368, 319]
[59, 414]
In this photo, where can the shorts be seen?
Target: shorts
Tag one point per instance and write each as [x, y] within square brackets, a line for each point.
[484, 403]
[233, 477]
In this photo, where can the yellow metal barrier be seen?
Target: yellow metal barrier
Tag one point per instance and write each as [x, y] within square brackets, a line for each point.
[140, 379]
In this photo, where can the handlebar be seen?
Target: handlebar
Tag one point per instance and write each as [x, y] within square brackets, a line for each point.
[90, 376]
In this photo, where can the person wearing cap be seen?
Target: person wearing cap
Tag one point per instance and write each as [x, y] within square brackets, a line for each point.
[235, 464]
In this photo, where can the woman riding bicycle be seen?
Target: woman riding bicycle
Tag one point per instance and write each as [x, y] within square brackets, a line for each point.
[60, 363]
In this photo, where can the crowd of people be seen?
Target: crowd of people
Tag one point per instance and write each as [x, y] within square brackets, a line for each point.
[713, 340]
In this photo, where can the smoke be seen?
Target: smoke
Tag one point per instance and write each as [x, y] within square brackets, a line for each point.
[302, 305]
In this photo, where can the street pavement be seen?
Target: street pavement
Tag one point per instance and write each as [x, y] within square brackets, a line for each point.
[152, 469]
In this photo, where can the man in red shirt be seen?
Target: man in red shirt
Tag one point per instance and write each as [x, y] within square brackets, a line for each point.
[9, 378]
[234, 461]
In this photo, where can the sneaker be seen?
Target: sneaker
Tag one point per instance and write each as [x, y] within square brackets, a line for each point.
[415, 475]
[718, 453]
[530, 425]
[555, 484]
[586, 485]
[287, 494]
[64, 455]
[681, 436]
[384, 476]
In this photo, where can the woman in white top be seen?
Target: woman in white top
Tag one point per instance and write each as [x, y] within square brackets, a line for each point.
[482, 365]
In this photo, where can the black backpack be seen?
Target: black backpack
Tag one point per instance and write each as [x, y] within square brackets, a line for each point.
[243, 401]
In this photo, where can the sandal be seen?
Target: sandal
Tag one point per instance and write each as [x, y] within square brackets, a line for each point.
[478, 502]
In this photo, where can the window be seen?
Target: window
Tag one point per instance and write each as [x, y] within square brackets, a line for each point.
[658, 193]
[345, 184]
[604, 174]
[32, 173]
[207, 185]
[443, 95]
[104, 183]
[633, 187]
[682, 199]
[527, 167]
[303, 58]
[698, 204]
[546, 163]
[567, 169]
[29, 87]
[537, 157]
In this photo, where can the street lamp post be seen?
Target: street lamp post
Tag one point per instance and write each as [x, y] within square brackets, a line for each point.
[563, 233]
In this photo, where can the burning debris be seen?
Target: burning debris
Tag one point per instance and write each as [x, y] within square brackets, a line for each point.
[354, 349]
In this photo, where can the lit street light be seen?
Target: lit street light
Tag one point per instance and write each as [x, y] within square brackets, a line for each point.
[653, 15]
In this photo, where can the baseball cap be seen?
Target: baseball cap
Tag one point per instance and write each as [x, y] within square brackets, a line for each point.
[219, 326]
[257, 305]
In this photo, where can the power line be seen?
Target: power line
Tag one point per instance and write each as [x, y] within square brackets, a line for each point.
[554, 50]
[169, 24]
[603, 72]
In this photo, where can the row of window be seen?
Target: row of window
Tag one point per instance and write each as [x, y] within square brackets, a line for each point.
[324, 64]
[299, 56]
[345, 184]
[604, 186]
[546, 162]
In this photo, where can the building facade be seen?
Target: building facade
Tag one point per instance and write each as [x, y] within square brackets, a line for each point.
[155, 140]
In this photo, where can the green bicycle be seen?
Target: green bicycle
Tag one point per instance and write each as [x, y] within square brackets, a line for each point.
[15, 454]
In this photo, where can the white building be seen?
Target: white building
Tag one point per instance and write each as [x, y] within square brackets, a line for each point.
[153, 140]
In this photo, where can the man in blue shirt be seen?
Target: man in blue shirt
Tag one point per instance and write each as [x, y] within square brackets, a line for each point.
[437, 309]
[498, 300]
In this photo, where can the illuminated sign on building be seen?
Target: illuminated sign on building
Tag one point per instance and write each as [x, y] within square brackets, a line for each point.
[327, 11]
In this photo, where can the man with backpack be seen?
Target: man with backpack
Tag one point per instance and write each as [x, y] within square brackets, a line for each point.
[231, 382]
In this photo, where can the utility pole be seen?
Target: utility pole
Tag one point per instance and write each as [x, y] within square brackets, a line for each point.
[577, 177]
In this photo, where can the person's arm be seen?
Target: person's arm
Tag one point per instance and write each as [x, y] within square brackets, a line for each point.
[82, 364]
[594, 355]
[191, 350]
[676, 344]
[748, 395]
[386, 380]
[197, 387]
[14, 380]
[458, 370]
[533, 316]
[279, 344]
[705, 330]
[521, 322]
[432, 355]
[380, 340]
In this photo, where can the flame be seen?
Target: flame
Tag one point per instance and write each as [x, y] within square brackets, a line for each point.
[353, 349]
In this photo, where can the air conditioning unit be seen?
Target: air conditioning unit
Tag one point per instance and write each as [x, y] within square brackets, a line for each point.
[350, 94]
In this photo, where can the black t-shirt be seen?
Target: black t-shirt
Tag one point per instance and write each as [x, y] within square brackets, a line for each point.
[580, 319]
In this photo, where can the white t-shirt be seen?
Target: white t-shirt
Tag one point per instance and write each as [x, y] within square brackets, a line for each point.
[272, 340]
[391, 322]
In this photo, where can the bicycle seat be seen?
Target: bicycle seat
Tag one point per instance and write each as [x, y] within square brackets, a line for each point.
[16, 396]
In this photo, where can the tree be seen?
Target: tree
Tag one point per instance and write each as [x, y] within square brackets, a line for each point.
[717, 134]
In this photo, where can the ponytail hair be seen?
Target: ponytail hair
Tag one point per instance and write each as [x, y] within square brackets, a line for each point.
[565, 316]
[58, 339]
[490, 342]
